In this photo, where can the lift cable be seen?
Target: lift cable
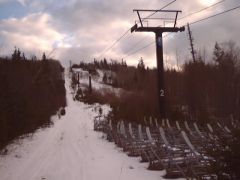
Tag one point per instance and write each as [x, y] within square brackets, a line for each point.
[209, 17]
[125, 33]
[196, 12]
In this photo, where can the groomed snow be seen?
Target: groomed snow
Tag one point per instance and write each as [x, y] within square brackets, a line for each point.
[71, 150]
[96, 81]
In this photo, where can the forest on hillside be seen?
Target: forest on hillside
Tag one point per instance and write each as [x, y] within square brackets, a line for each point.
[30, 92]
[200, 91]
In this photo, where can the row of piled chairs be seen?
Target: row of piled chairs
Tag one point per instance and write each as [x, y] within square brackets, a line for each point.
[181, 148]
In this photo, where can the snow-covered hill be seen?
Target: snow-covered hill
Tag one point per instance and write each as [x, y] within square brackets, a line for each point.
[97, 81]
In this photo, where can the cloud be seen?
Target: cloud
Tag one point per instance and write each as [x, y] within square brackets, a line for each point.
[82, 29]
[33, 33]
[22, 2]
[221, 28]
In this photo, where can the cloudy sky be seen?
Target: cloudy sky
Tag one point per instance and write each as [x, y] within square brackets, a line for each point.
[81, 29]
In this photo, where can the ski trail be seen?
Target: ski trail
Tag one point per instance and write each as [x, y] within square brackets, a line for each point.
[71, 150]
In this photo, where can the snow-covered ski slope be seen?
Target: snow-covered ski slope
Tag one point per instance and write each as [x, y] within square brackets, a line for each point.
[71, 150]
[96, 81]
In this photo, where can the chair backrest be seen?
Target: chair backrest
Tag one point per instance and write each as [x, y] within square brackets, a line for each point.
[140, 135]
[232, 121]
[168, 124]
[150, 121]
[130, 130]
[187, 141]
[122, 129]
[178, 126]
[187, 127]
[209, 127]
[118, 127]
[197, 129]
[163, 122]
[156, 122]
[144, 119]
[149, 136]
[227, 130]
[210, 136]
[219, 125]
[163, 136]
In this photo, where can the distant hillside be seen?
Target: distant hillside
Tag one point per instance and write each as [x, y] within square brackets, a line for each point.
[30, 92]
[199, 90]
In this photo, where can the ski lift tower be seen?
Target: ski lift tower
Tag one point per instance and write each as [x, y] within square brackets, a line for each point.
[158, 22]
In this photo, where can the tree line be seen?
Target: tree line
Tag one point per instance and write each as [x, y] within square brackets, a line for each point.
[30, 92]
[200, 91]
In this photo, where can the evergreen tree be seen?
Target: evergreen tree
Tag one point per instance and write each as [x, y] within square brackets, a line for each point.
[105, 64]
[34, 58]
[218, 53]
[44, 57]
[18, 55]
[23, 56]
[141, 64]
[14, 55]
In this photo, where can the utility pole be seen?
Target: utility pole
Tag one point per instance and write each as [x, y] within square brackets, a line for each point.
[159, 30]
[90, 84]
[78, 80]
[191, 42]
